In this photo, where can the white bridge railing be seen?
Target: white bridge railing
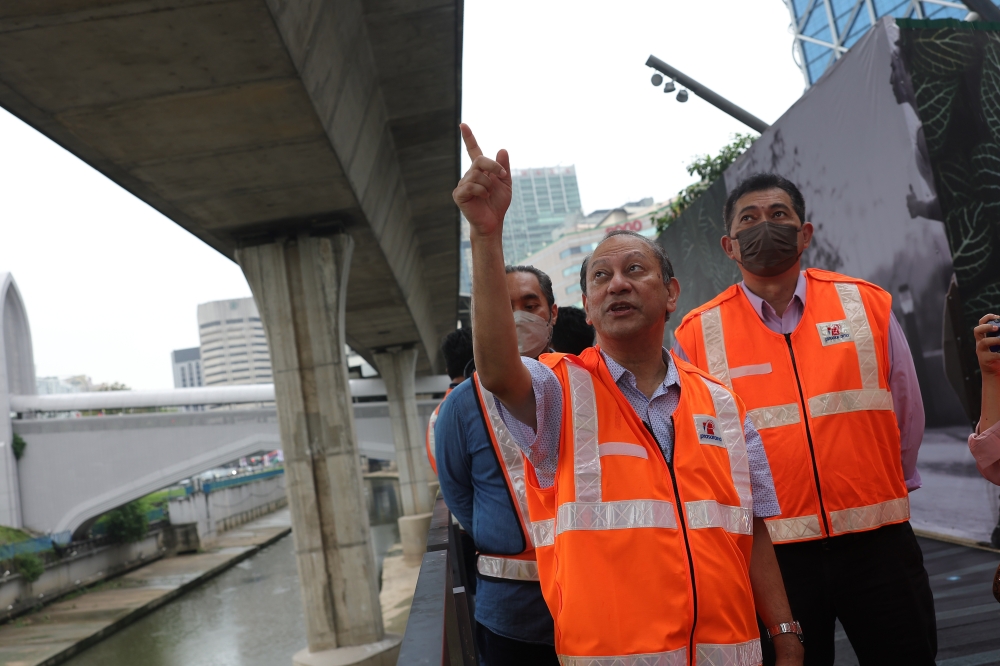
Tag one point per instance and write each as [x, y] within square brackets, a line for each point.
[204, 395]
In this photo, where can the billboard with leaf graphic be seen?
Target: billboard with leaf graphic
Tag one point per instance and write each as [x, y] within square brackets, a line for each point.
[897, 152]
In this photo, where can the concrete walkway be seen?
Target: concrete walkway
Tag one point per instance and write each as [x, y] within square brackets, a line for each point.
[58, 631]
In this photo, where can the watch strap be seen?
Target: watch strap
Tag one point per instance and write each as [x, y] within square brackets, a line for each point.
[792, 627]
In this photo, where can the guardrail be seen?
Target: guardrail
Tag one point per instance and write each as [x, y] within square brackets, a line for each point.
[440, 629]
[230, 481]
[36, 545]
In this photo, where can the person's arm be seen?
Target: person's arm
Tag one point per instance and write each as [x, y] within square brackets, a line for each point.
[985, 442]
[989, 364]
[483, 195]
[454, 462]
[769, 596]
[906, 402]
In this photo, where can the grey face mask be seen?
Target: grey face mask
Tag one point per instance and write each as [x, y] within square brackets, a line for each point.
[768, 249]
[533, 333]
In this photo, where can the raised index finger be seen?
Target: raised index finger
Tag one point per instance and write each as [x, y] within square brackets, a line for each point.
[470, 142]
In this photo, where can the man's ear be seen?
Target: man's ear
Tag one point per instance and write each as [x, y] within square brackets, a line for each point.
[585, 313]
[807, 234]
[674, 291]
[731, 247]
[555, 315]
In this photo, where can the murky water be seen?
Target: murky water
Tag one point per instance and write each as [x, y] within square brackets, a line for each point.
[251, 615]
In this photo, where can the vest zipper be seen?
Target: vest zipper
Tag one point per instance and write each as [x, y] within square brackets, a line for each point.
[809, 438]
[683, 521]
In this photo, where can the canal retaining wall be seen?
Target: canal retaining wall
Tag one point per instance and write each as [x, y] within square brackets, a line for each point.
[76, 570]
[214, 507]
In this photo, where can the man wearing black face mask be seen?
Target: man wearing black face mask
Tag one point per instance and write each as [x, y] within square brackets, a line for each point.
[827, 378]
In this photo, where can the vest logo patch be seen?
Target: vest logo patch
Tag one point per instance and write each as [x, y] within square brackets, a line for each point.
[708, 430]
[834, 332]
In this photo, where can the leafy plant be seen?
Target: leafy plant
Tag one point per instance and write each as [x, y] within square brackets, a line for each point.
[708, 169]
[128, 523]
[29, 566]
[18, 446]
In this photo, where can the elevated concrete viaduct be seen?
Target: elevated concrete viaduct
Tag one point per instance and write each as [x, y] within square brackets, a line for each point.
[314, 142]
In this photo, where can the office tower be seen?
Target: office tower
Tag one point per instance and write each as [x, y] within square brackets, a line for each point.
[187, 367]
[825, 29]
[542, 201]
[233, 346]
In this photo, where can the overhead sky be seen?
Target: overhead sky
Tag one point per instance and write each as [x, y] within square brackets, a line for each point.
[111, 286]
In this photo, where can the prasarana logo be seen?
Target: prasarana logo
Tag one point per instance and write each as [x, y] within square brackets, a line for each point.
[832, 332]
[708, 429]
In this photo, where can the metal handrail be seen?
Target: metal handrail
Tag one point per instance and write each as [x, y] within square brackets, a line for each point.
[440, 629]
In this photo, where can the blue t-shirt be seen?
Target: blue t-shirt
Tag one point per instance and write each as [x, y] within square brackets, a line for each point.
[474, 488]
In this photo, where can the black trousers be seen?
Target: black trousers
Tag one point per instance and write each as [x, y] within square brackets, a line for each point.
[497, 650]
[875, 583]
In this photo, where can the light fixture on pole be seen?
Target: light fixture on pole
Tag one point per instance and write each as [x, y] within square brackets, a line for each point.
[705, 93]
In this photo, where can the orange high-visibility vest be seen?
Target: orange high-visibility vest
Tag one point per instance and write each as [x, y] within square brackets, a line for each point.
[641, 561]
[819, 398]
[519, 566]
[429, 439]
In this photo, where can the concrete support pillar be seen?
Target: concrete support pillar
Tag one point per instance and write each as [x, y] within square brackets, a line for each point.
[300, 287]
[398, 368]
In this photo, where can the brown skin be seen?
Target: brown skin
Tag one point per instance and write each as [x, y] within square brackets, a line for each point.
[775, 206]
[526, 294]
[626, 301]
[989, 363]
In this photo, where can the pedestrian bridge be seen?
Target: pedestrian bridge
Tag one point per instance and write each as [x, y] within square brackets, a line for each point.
[75, 469]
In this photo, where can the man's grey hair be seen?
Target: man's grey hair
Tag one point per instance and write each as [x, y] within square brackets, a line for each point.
[666, 268]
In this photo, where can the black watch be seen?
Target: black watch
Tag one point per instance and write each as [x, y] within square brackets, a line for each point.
[792, 627]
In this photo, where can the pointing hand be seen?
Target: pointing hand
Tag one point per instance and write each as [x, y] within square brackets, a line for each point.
[483, 194]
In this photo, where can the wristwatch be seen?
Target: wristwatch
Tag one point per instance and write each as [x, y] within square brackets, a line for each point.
[792, 627]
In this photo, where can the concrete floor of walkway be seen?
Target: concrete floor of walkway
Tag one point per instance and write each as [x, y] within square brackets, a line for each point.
[58, 631]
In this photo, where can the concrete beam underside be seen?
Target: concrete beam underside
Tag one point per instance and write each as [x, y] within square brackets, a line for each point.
[300, 287]
[247, 120]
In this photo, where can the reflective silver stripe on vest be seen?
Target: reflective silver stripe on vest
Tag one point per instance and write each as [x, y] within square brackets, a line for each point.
[586, 454]
[505, 567]
[774, 417]
[673, 658]
[715, 345]
[870, 396]
[861, 332]
[733, 519]
[511, 454]
[709, 513]
[794, 529]
[619, 515]
[735, 654]
[868, 517]
[857, 400]
[543, 532]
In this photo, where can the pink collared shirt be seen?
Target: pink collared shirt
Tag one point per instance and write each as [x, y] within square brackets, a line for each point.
[985, 449]
[906, 400]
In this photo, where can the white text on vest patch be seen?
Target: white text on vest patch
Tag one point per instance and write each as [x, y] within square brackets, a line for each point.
[708, 430]
[833, 332]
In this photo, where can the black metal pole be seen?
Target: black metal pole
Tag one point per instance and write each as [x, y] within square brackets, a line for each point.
[710, 96]
[985, 8]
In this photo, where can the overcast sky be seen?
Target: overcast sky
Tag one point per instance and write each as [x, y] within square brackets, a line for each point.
[111, 286]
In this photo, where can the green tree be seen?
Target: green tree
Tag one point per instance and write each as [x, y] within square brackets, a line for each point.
[708, 168]
[128, 523]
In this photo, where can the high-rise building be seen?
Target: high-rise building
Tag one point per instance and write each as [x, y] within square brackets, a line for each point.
[542, 200]
[187, 367]
[825, 29]
[233, 345]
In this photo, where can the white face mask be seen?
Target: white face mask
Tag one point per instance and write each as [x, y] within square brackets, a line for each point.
[533, 333]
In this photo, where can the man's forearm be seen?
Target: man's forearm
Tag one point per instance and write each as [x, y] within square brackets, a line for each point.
[494, 334]
[769, 594]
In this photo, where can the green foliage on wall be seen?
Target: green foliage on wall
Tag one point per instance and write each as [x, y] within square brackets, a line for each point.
[18, 446]
[709, 169]
[29, 566]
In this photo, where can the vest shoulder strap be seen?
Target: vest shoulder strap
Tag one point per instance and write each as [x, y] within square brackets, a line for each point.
[830, 276]
[730, 292]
